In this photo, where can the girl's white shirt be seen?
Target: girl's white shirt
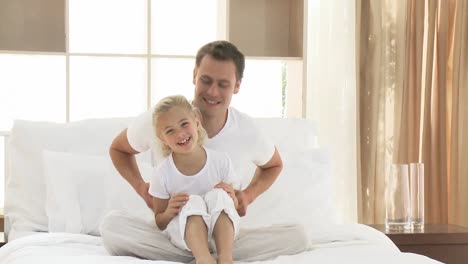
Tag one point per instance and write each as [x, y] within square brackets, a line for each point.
[167, 180]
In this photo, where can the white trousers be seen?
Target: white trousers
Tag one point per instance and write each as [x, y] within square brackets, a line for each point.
[209, 207]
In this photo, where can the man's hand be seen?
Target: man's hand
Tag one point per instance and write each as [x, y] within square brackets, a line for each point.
[263, 178]
[244, 202]
[143, 192]
[175, 204]
[230, 191]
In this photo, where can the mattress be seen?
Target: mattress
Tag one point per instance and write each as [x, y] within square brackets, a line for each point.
[336, 244]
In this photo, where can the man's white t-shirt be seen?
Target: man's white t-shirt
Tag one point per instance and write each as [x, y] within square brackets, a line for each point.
[167, 180]
[240, 138]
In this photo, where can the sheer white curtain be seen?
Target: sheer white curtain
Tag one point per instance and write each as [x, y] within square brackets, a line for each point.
[331, 92]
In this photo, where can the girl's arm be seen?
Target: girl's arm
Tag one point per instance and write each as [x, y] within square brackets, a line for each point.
[159, 207]
[166, 209]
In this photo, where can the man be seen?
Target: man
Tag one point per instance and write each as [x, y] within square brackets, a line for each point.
[217, 77]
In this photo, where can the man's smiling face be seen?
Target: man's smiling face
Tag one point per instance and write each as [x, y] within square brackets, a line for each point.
[215, 83]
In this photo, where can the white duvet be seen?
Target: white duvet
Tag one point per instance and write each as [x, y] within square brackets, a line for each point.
[333, 244]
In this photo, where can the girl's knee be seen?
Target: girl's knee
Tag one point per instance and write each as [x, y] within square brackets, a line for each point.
[216, 192]
[217, 197]
[217, 200]
[193, 198]
[195, 202]
[195, 207]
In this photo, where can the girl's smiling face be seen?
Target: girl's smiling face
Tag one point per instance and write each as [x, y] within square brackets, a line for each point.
[178, 129]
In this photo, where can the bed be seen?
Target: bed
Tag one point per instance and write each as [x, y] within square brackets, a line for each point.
[60, 182]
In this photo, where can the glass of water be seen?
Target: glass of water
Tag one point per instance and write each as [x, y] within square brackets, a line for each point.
[397, 194]
[416, 171]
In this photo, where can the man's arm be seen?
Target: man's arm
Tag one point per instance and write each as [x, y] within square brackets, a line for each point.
[264, 177]
[123, 158]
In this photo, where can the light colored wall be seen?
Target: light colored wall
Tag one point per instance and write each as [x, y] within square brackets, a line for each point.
[32, 25]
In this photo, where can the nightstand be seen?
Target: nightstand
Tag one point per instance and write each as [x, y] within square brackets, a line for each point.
[2, 235]
[2, 239]
[446, 243]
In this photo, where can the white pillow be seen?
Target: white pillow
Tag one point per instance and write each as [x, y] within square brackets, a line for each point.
[82, 189]
[302, 193]
[286, 132]
[25, 191]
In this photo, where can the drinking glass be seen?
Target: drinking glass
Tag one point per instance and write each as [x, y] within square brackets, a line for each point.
[397, 194]
[417, 195]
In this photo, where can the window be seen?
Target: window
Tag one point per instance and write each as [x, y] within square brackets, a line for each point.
[121, 57]
[106, 87]
[32, 87]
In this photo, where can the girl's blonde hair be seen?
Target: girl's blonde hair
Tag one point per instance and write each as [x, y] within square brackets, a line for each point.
[169, 102]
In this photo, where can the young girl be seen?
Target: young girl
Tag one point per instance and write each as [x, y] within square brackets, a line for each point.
[193, 197]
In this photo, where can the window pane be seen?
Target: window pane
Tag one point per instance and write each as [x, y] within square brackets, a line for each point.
[261, 92]
[182, 31]
[172, 76]
[108, 26]
[107, 87]
[32, 87]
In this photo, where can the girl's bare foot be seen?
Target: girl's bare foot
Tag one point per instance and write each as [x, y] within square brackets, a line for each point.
[206, 260]
[224, 259]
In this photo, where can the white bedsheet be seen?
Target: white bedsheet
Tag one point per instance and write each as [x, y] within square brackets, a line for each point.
[334, 244]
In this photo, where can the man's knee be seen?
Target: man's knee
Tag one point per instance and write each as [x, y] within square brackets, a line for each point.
[111, 222]
[108, 229]
[298, 237]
